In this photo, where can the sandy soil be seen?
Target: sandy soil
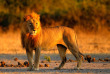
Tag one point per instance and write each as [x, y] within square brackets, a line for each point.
[97, 67]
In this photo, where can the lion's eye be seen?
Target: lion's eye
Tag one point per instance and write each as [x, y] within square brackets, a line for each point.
[36, 23]
[30, 23]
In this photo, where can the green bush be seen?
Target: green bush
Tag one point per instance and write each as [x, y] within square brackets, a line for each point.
[47, 58]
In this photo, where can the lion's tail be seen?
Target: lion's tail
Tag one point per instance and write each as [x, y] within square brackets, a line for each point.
[85, 57]
[80, 52]
[78, 47]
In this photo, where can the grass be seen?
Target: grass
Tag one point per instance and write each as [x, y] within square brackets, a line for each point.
[10, 43]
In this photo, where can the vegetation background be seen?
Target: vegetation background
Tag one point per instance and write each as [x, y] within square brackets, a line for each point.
[88, 14]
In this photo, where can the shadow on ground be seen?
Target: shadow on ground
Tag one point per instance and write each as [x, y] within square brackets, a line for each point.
[24, 70]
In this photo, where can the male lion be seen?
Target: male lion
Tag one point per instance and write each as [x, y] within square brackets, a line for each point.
[35, 37]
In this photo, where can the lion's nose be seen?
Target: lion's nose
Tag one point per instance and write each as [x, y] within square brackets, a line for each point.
[34, 30]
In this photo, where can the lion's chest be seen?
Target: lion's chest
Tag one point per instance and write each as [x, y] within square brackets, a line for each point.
[32, 41]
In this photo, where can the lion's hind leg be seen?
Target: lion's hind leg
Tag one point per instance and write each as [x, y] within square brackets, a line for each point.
[62, 51]
[72, 46]
[75, 51]
[78, 58]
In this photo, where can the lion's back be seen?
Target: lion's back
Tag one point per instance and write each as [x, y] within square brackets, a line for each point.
[56, 35]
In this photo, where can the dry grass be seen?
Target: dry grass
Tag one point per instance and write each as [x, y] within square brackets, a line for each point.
[97, 43]
[10, 43]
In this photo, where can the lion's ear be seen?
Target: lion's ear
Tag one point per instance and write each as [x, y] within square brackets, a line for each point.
[26, 18]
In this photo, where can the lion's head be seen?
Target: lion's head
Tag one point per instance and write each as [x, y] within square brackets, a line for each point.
[32, 23]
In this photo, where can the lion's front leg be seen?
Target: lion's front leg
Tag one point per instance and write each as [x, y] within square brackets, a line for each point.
[37, 57]
[30, 58]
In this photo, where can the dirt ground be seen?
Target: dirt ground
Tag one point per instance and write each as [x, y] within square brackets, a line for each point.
[97, 67]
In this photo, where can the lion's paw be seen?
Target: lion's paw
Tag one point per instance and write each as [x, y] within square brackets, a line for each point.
[57, 68]
[35, 69]
[29, 69]
[76, 68]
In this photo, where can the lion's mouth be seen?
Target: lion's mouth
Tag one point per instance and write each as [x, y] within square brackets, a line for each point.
[33, 32]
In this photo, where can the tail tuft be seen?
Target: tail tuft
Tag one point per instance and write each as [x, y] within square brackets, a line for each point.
[87, 57]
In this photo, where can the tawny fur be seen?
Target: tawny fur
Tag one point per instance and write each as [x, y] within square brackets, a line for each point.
[35, 37]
